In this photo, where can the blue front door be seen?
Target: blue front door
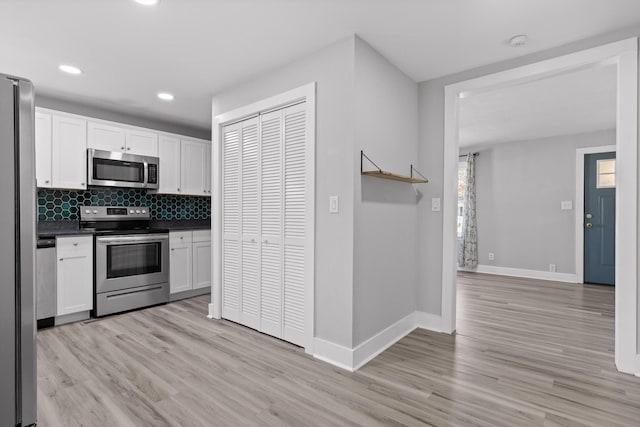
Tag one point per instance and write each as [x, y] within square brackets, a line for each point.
[599, 218]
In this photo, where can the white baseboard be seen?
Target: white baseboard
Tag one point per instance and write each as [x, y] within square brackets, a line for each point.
[431, 322]
[381, 341]
[527, 274]
[333, 353]
[352, 359]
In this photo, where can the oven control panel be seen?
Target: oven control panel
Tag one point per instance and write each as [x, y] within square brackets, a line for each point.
[114, 213]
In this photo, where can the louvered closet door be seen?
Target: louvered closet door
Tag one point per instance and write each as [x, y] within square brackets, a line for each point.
[264, 216]
[250, 209]
[294, 133]
[231, 237]
[271, 218]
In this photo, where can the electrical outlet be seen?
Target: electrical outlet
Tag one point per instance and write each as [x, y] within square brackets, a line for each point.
[491, 256]
[552, 268]
[435, 204]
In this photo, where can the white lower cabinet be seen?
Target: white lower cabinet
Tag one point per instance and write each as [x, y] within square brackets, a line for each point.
[201, 259]
[190, 263]
[180, 261]
[74, 274]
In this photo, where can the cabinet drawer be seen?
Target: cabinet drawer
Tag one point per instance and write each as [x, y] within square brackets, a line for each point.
[74, 246]
[180, 238]
[201, 236]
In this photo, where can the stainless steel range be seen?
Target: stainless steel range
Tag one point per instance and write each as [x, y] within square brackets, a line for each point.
[131, 260]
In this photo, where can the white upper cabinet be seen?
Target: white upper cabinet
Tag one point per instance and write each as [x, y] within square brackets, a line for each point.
[43, 149]
[61, 152]
[207, 169]
[142, 142]
[169, 174]
[193, 168]
[105, 137]
[69, 153]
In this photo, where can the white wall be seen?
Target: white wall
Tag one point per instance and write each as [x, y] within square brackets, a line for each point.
[431, 158]
[332, 69]
[519, 188]
[386, 213]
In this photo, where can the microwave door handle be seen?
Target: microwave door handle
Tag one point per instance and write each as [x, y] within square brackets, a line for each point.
[146, 173]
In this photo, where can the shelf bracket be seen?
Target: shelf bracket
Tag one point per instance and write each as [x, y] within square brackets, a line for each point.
[364, 156]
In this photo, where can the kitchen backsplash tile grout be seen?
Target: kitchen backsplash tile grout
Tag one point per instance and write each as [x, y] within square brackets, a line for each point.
[55, 205]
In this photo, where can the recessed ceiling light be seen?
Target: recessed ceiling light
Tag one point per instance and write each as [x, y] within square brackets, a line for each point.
[519, 40]
[165, 96]
[70, 69]
[147, 2]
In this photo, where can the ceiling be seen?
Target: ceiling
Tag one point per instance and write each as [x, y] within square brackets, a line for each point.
[196, 48]
[577, 102]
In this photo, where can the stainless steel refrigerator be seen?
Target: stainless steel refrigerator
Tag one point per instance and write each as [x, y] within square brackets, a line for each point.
[17, 254]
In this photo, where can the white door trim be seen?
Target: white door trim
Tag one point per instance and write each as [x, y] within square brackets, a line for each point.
[624, 54]
[580, 153]
[305, 93]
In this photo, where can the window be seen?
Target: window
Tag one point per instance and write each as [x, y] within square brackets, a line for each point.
[462, 182]
[606, 173]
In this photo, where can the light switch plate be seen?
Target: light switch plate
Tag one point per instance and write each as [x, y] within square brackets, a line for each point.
[435, 204]
[333, 204]
[566, 205]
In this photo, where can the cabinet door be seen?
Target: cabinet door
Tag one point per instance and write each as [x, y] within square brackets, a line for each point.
[180, 264]
[231, 252]
[142, 143]
[250, 205]
[271, 224]
[295, 211]
[201, 265]
[192, 167]
[74, 274]
[169, 154]
[207, 170]
[43, 150]
[105, 137]
[69, 152]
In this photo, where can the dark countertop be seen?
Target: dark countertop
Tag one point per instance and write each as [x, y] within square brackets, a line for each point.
[72, 227]
[60, 228]
[182, 224]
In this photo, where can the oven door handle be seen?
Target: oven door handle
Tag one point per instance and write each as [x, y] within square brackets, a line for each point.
[133, 239]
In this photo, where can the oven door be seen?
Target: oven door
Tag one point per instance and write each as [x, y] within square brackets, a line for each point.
[127, 261]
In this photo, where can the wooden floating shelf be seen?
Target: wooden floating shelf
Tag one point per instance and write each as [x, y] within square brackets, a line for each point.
[395, 177]
[390, 175]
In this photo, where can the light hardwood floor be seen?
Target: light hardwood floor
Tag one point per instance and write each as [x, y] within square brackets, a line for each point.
[526, 353]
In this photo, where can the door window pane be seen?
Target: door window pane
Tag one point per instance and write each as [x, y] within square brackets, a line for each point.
[606, 173]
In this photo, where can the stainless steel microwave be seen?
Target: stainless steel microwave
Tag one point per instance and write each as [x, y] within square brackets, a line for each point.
[114, 169]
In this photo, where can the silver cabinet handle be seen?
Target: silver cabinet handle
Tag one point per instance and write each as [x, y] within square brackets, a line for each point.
[181, 237]
[47, 181]
[82, 183]
[61, 259]
[128, 148]
[122, 148]
[173, 249]
[178, 189]
[75, 244]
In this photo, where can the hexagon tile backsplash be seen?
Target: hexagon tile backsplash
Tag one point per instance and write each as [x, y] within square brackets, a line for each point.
[55, 205]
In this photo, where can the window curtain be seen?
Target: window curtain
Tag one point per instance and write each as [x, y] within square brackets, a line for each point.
[468, 249]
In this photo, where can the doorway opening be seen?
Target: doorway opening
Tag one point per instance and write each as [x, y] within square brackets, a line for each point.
[623, 55]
